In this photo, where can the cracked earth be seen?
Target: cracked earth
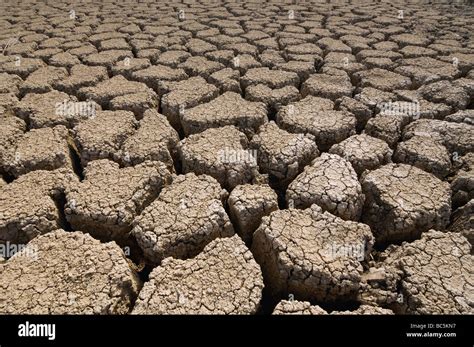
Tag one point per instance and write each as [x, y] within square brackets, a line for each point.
[213, 157]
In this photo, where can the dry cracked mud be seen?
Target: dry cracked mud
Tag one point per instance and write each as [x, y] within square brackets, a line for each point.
[215, 157]
[68, 273]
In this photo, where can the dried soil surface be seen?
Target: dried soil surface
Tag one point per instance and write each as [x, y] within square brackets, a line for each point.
[212, 157]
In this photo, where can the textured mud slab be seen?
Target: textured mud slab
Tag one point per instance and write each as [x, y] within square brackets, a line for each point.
[187, 215]
[29, 205]
[411, 201]
[223, 279]
[71, 273]
[246, 157]
[432, 275]
[109, 198]
[296, 251]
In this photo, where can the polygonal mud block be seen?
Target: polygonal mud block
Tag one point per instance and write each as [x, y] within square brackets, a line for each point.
[463, 221]
[456, 137]
[342, 69]
[272, 78]
[49, 109]
[109, 198]
[185, 95]
[42, 80]
[127, 66]
[21, 66]
[223, 279]
[107, 58]
[150, 53]
[361, 111]
[10, 83]
[101, 137]
[200, 66]
[68, 273]
[316, 116]
[118, 43]
[199, 47]
[225, 56]
[468, 85]
[46, 53]
[462, 184]
[155, 74]
[227, 80]
[335, 58]
[8, 103]
[379, 63]
[304, 48]
[11, 130]
[221, 40]
[332, 45]
[311, 254]
[465, 61]
[245, 62]
[81, 76]
[227, 109]
[137, 103]
[273, 98]
[248, 203]
[64, 59]
[331, 183]
[386, 128]
[463, 116]
[83, 51]
[447, 93]
[419, 107]
[28, 205]
[410, 200]
[363, 152]
[266, 45]
[271, 57]
[410, 39]
[38, 149]
[382, 80]
[374, 53]
[172, 58]
[221, 153]
[281, 154]
[340, 64]
[242, 48]
[417, 51]
[187, 216]
[432, 275]
[372, 97]
[425, 70]
[105, 91]
[105, 32]
[327, 86]
[155, 140]
[424, 153]
[303, 68]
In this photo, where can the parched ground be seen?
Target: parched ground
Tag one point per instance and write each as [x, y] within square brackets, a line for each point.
[214, 157]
